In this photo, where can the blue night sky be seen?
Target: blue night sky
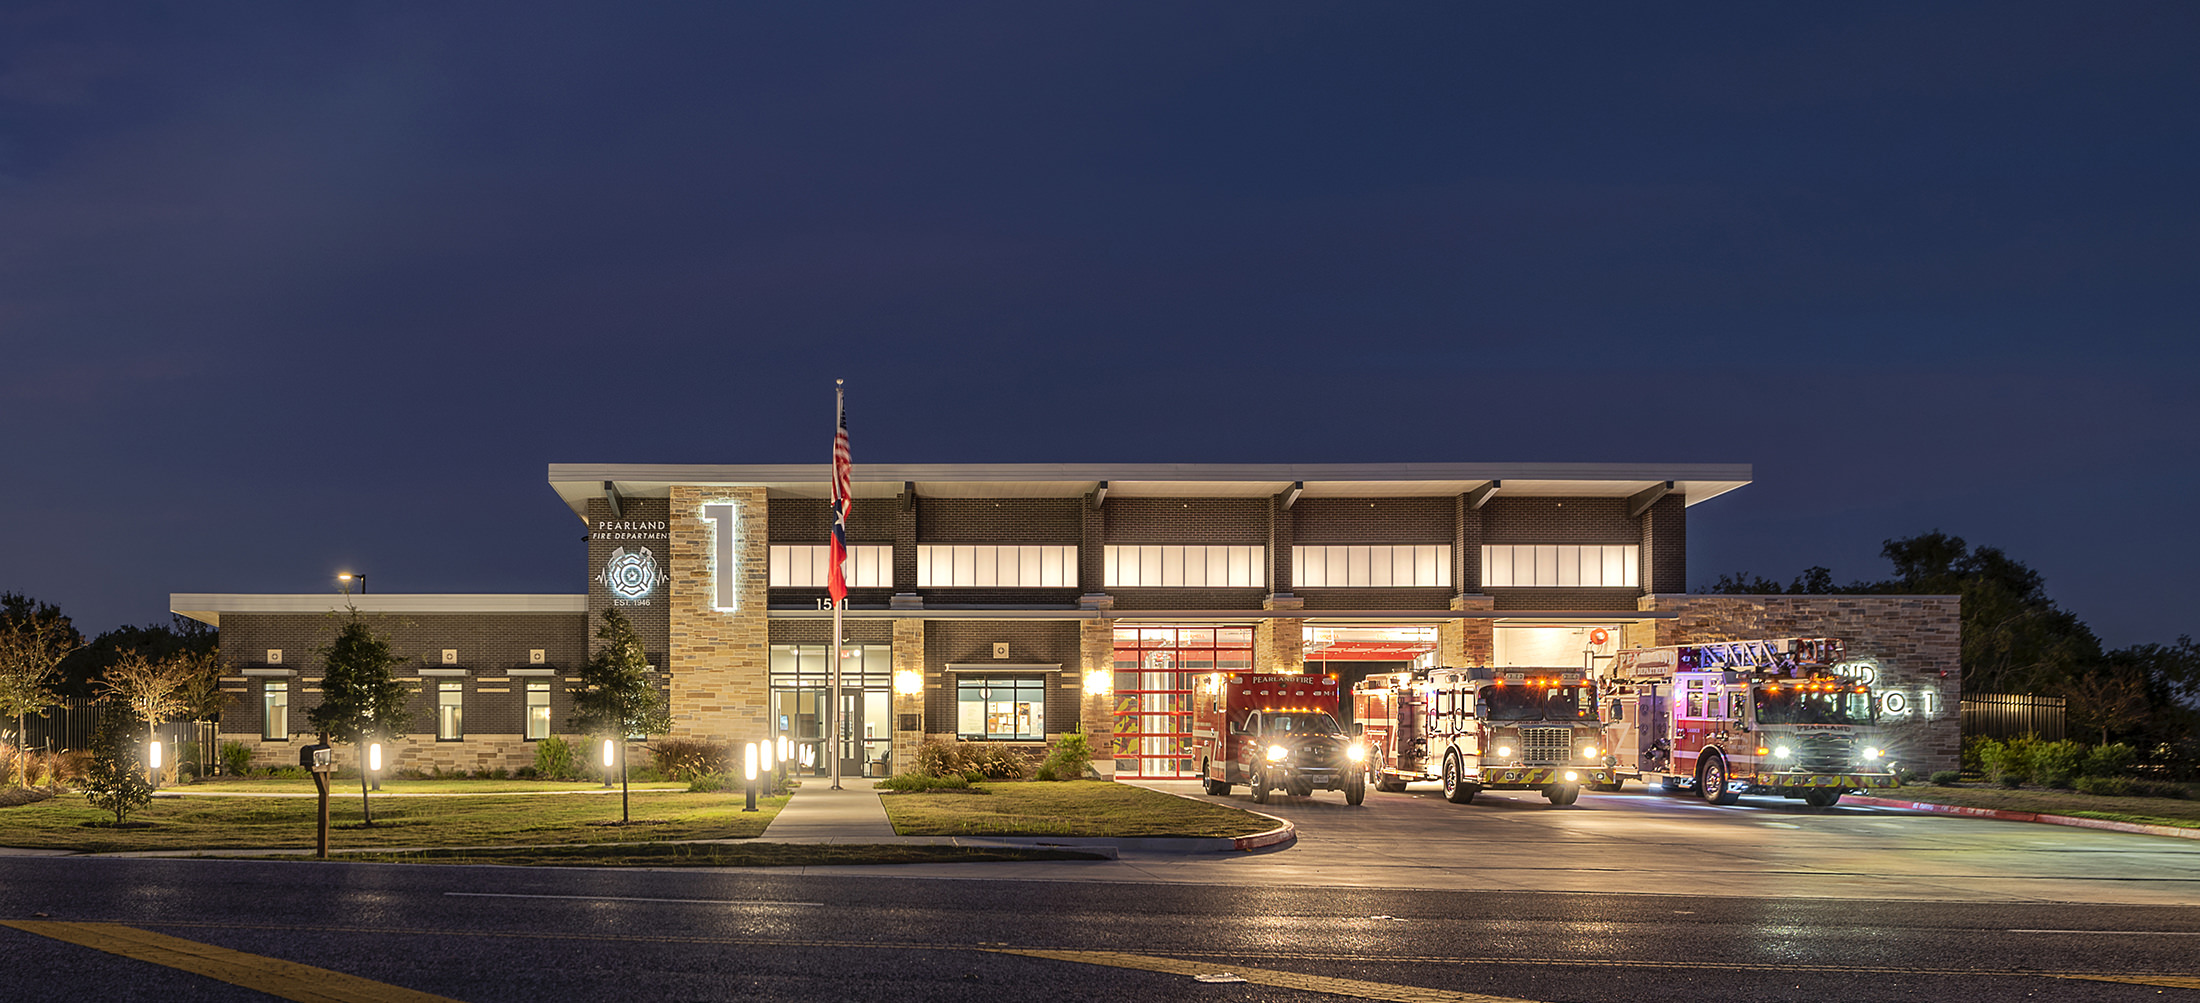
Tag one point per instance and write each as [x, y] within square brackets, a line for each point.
[287, 288]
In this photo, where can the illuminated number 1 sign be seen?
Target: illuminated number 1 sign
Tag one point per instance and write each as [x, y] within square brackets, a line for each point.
[724, 577]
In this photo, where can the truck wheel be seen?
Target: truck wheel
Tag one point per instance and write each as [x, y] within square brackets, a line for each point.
[1711, 782]
[1301, 788]
[1456, 790]
[1614, 787]
[1388, 784]
[1821, 797]
[1259, 785]
[1355, 789]
[1208, 783]
[1563, 793]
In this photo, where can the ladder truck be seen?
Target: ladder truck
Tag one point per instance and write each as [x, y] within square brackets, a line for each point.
[1746, 717]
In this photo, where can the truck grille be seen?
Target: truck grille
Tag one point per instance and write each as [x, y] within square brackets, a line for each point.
[1824, 753]
[1546, 746]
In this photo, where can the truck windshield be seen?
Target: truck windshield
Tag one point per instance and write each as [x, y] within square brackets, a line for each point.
[1535, 703]
[1787, 705]
[1303, 724]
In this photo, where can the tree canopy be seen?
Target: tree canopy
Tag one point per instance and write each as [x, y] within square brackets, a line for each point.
[34, 638]
[360, 692]
[617, 693]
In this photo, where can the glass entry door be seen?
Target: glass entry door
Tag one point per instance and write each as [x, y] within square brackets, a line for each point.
[866, 733]
[801, 693]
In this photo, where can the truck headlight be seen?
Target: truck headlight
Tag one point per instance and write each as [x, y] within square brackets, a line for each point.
[1356, 753]
[1782, 752]
[1277, 753]
[1504, 750]
[1872, 753]
[1588, 752]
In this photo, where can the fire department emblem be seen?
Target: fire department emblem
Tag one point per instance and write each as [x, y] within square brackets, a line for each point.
[631, 576]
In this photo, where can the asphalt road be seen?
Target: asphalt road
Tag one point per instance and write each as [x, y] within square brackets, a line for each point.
[1720, 922]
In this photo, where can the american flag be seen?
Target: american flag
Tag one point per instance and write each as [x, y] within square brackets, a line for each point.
[836, 581]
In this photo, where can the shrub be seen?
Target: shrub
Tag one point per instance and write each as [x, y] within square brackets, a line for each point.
[2008, 781]
[554, 759]
[924, 782]
[1045, 773]
[2013, 760]
[2065, 758]
[2159, 789]
[994, 761]
[1946, 778]
[1973, 760]
[687, 758]
[236, 758]
[936, 758]
[712, 783]
[2110, 760]
[2114, 787]
[500, 773]
[116, 781]
[1068, 759]
[2057, 779]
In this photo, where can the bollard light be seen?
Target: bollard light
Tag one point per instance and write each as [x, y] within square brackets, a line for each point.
[750, 770]
[374, 757]
[766, 764]
[750, 761]
[786, 748]
[153, 753]
[607, 752]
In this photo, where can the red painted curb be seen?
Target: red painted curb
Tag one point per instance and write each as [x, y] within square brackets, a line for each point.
[2005, 815]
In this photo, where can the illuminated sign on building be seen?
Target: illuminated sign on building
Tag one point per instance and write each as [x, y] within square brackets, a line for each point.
[725, 578]
[1923, 701]
[631, 576]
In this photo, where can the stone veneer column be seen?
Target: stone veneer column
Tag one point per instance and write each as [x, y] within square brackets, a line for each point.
[908, 657]
[720, 688]
[1467, 642]
[1096, 708]
[1279, 644]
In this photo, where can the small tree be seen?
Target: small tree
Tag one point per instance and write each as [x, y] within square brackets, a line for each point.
[618, 694]
[360, 695]
[34, 638]
[2113, 698]
[115, 782]
[152, 691]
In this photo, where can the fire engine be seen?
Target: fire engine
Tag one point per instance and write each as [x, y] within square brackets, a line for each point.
[1477, 729]
[1274, 732]
[1746, 717]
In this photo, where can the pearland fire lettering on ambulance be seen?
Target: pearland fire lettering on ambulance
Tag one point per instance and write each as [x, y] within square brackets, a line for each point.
[1746, 717]
[1478, 729]
[1274, 732]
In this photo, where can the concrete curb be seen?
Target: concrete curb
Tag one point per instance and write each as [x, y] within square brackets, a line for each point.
[2005, 815]
[1284, 832]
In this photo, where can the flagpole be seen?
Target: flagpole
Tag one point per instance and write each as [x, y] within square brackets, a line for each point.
[834, 722]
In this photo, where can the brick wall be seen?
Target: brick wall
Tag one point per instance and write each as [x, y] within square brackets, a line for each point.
[1210, 521]
[1373, 520]
[1048, 642]
[1665, 546]
[1000, 520]
[1555, 598]
[650, 618]
[1558, 520]
[1413, 598]
[810, 520]
[1913, 643]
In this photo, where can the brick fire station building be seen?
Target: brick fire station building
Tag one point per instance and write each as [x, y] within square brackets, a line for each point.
[1015, 602]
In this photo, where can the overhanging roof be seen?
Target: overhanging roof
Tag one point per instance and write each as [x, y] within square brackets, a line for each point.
[576, 483]
[208, 607]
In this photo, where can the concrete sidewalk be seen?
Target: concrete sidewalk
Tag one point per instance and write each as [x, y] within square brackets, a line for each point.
[818, 814]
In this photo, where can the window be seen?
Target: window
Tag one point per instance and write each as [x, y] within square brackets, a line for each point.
[275, 712]
[538, 711]
[1393, 566]
[1561, 565]
[1003, 709]
[807, 566]
[1166, 565]
[450, 711]
[1026, 566]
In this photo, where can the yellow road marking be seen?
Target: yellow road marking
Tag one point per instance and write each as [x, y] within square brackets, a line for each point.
[2165, 981]
[275, 977]
[1266, 977]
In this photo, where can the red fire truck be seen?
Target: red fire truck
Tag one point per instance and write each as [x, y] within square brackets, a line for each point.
[1746, 717]
[1274, 732]
[1477, 729]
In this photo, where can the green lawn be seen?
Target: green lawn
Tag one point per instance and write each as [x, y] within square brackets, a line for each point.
[2146, 811]
[1066, 808]
[302, 785]
[213, 823]
[727, 855]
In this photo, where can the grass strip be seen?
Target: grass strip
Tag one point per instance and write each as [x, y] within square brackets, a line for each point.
[721, 855]
[218, 823]
[1063, 808]
[2139, 810]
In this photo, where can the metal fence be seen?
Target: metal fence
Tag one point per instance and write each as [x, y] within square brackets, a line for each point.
[2008, 715]
[68, 726]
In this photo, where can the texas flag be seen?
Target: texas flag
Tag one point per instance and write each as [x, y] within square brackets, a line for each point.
[836, 581]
